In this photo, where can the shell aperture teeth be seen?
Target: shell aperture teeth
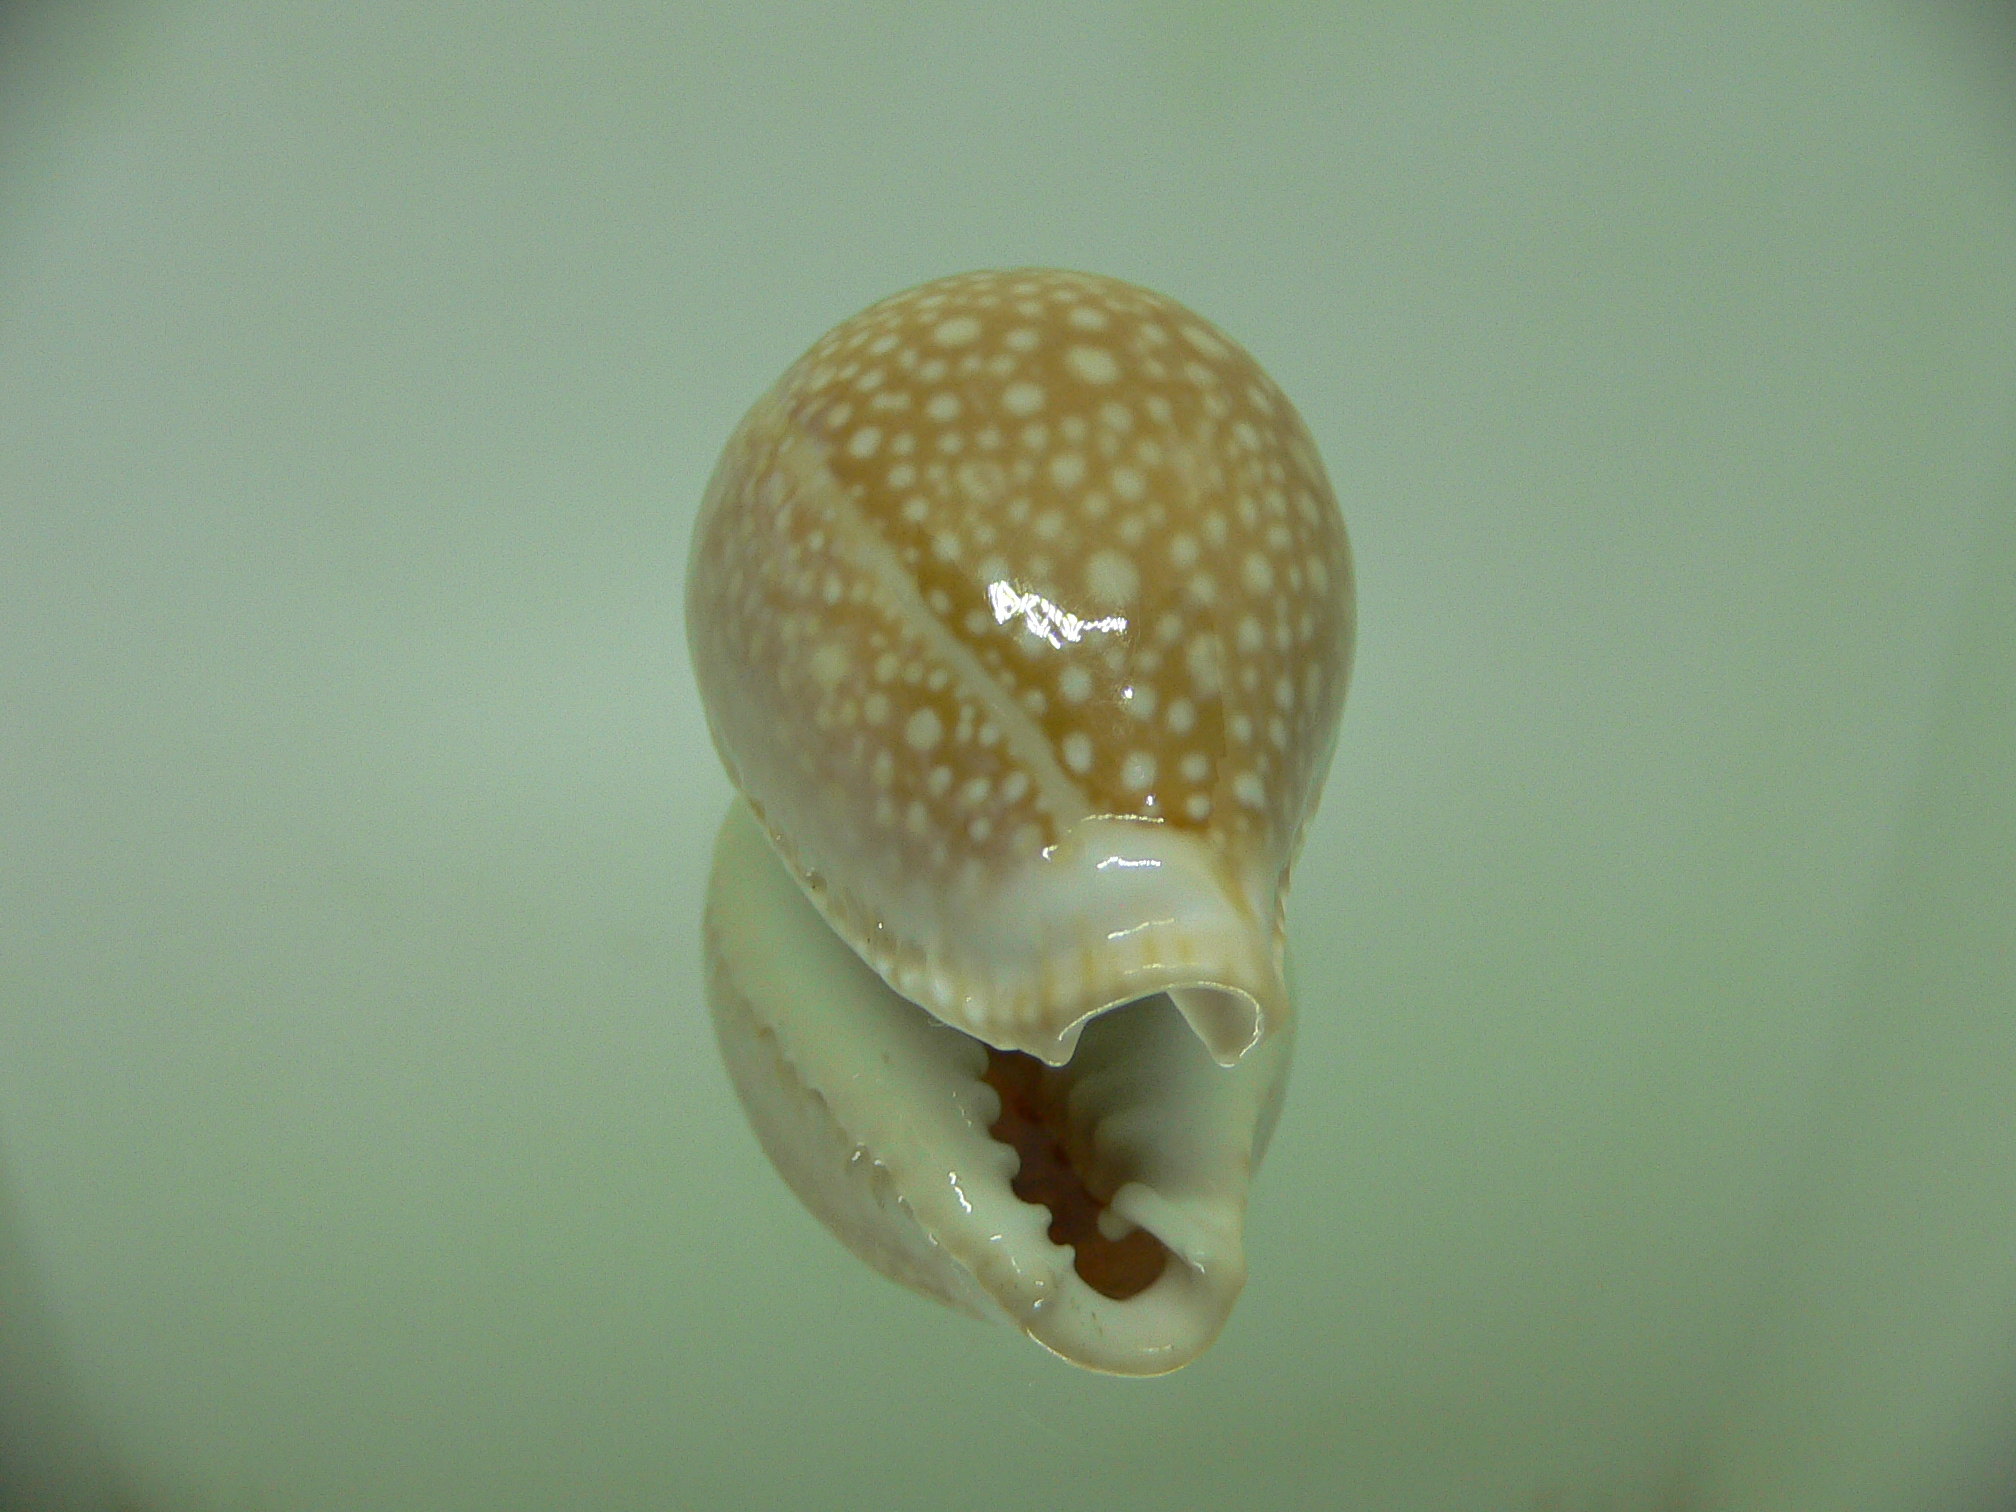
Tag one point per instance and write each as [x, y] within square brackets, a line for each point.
[1058, 1169]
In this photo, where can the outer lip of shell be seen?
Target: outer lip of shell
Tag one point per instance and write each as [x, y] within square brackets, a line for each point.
[876, 1116]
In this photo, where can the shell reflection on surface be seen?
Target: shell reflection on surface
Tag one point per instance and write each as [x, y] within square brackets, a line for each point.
[1022, 614]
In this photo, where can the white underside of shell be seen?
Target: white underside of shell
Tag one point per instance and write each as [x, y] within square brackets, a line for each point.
[875, 1113]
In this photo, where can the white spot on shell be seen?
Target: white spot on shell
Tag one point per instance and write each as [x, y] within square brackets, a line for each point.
[1078, 752]
[1137, 772]
[924, 729]
[957, 331]
[1247, 788]
[1112, 579]
[864, 442]
[1074, 684]
[1204, 341]
[1024, 398]
[829, 665]
[1093, 364]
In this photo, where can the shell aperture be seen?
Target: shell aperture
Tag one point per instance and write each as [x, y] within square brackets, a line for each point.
[1022, 614]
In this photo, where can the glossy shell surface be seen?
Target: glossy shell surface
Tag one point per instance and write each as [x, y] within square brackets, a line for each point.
[1022, 613]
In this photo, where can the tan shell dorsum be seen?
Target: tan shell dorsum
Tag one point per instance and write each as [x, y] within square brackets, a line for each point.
[1022, 613]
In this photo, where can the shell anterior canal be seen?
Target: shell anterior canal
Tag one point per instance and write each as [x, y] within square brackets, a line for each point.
[1056, 1174]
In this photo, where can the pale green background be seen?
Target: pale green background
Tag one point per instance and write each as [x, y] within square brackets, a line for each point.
[1651, 1143]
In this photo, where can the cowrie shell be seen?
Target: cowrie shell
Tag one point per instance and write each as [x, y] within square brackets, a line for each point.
[1022, 613]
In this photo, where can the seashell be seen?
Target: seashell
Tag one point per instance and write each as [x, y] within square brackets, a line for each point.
[1022, 614]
